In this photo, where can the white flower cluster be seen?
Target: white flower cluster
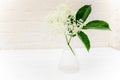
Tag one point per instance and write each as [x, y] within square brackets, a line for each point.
[63, 20]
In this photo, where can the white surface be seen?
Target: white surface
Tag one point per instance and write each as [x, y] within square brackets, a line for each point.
[99, 64]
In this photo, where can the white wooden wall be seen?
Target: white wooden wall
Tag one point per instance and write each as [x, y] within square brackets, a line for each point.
[115, 35]
[22, 24]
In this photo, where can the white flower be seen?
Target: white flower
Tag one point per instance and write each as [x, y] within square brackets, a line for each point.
[76, 29]
[59, 17]
[64, 9]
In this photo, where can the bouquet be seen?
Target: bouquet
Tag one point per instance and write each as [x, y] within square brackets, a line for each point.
[72, 24]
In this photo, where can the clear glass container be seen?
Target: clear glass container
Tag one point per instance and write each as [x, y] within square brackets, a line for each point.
[69, 62]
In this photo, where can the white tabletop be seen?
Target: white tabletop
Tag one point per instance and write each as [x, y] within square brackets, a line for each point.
[99, 64]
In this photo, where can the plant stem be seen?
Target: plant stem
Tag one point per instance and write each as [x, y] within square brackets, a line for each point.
[68, 43]
[70, 39]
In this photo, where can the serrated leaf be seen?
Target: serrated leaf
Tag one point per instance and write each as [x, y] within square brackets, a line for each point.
[97, 24]
[83, 13]
[84, 38]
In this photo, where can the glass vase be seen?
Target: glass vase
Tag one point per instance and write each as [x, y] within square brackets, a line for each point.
[69, 62]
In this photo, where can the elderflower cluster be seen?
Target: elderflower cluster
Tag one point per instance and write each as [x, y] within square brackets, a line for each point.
[63, 20]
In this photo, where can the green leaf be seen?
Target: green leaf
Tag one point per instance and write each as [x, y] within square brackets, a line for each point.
[84, 38]
[83, 12]
[97, 24]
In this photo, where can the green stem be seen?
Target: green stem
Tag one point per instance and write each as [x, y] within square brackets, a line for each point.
[70, 39]
[68, 43]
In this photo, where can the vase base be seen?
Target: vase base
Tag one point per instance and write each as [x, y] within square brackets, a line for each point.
[69, 69]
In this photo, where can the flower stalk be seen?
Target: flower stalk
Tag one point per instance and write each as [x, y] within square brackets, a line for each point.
[68, 43]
